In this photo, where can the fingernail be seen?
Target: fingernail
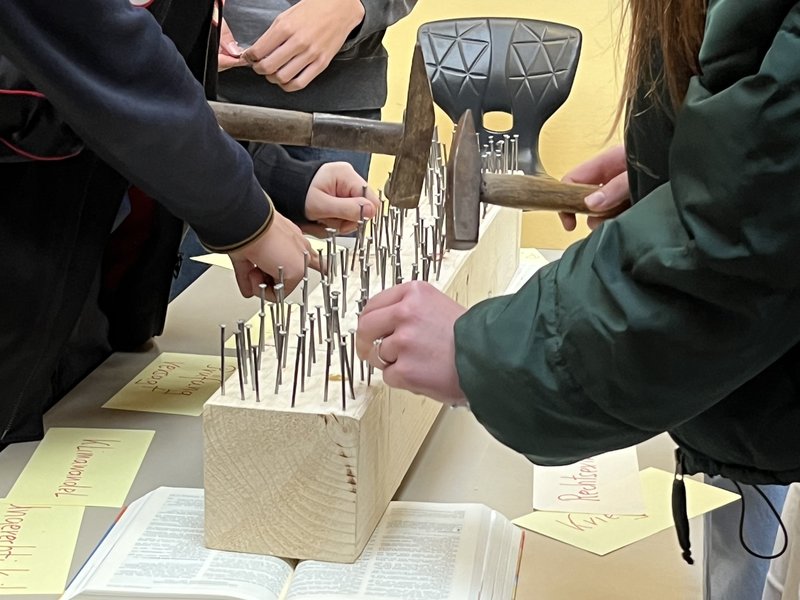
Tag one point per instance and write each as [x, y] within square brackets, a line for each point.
[596, 201]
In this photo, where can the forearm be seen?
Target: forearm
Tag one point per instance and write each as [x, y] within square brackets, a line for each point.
[672, 306]
[127, 92]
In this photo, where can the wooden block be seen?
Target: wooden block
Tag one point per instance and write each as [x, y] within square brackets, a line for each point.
[311, 482]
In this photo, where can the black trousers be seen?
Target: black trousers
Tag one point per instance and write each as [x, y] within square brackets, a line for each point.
[58, 318]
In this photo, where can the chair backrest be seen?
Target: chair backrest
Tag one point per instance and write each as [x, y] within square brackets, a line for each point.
[520, 66]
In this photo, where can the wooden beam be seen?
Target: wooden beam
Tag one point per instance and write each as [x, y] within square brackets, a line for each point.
[312, 481]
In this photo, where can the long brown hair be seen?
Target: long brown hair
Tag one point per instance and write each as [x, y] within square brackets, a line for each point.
[672, 28]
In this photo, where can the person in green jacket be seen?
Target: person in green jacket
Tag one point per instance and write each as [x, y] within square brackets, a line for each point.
[682, 314]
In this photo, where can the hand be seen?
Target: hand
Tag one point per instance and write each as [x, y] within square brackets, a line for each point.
[281, 245]
[302, 41]
[608, 169]
[416, 323]
[335, 198]
[230, 53]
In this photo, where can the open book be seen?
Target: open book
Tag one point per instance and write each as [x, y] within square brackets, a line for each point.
[420, 550]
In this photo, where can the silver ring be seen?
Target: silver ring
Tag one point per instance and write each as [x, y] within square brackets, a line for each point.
[377, 343]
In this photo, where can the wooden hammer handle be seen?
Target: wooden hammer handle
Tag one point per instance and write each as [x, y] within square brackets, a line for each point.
[320, 130]
[538, 192]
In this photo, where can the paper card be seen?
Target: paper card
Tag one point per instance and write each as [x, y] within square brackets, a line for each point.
[36, 547]
[215, 260]
[177, 384]
[605, 484]
[222, 260]
[602, 534]
[82, 467]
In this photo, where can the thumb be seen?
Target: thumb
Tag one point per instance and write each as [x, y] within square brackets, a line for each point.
[612, 194]
[232, 49]
[242, 269]
[348, 209]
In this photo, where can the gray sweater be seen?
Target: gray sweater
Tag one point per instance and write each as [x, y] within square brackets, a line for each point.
[354, 80]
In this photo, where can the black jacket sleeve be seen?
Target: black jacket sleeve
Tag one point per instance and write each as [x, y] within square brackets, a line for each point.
[285, 179]
[123, 87]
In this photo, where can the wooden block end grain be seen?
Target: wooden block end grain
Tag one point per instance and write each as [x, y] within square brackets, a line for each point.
[303, 484]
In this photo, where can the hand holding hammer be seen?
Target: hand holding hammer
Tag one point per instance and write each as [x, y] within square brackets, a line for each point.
[467, 187]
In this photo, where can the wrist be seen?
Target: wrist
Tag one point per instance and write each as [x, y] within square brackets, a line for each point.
[242, 246]
[357, 11]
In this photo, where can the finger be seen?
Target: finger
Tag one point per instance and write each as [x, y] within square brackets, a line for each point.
[595, 222]
[393, 295]
[313, 259]
[568, 221]
[318, 228]
[585, 173]
[307, 74]
[599, 169]
[373, 199]
[271, 63]
[255, 278]
[348, 209]
[227, 62]
[612, 194]
[291, 281]
[241, 268]
[275, 37]
[292, 68]
[378, 323]
[231, 49]
[383, 355]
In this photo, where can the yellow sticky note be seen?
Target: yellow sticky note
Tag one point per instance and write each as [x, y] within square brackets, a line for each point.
[82, 467]
[173, 383]
[36, 547]
[602, 534]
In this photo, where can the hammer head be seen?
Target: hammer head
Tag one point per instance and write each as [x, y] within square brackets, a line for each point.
[411, 159]
[462, 202]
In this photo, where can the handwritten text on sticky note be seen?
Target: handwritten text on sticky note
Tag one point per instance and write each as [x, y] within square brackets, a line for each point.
[36, 546]
[173, 383]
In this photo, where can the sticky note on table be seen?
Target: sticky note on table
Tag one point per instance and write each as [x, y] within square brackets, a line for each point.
[602, 534]
[605, 484]
[173, 383]
[36, 547]
[82, 467]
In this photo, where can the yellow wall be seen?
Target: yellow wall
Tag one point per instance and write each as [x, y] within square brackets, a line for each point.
[577, 131]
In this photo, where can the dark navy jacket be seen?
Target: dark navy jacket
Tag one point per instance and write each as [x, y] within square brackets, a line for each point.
[70, 292]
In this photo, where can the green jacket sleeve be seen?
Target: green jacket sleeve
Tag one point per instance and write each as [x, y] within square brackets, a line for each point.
[665, 310]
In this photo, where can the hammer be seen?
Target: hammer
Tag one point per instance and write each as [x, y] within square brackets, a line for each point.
[467, 187]
[408, 141]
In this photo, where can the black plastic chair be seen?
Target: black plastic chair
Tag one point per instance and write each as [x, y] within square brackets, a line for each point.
[520, 66]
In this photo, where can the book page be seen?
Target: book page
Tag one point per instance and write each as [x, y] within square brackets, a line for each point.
[500, 558]
[419, 550]
[159, 550]
[494, 537]
[507, 561]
